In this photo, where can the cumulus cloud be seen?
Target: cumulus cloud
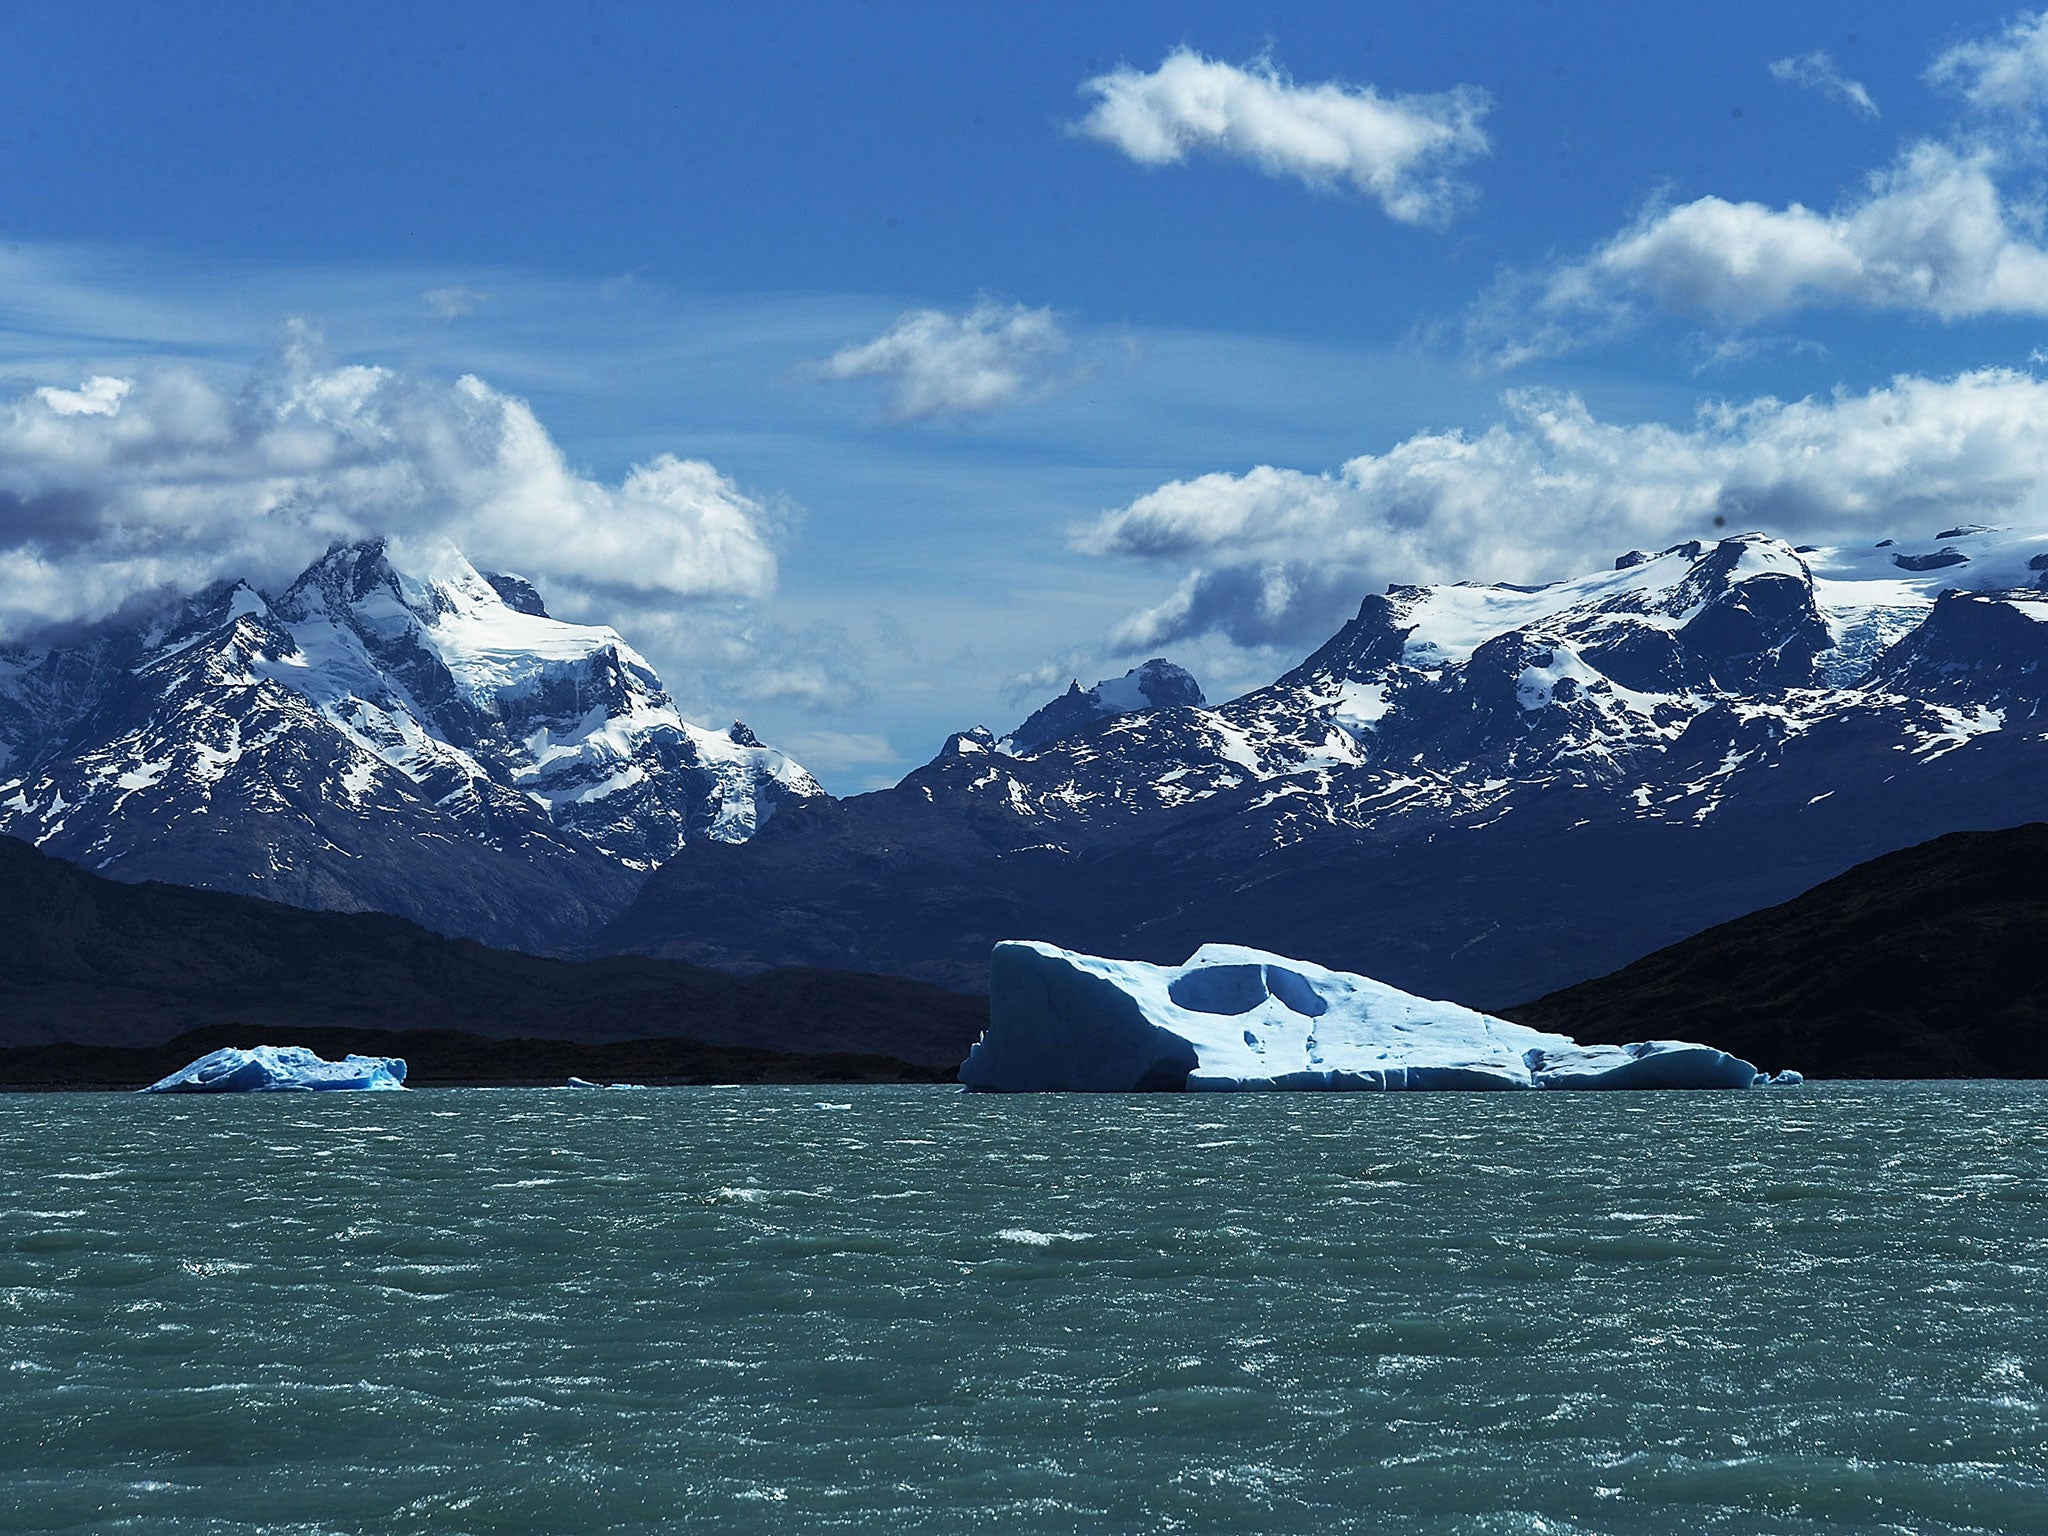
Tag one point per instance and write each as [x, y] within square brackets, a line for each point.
[169, 479]
[941, 364]
[1816, 72]
[1933, 234]
[1281, 556]
[100, 395]
[1398, 150]
[2007, 73]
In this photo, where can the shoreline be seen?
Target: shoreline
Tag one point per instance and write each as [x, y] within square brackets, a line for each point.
[456, 1059]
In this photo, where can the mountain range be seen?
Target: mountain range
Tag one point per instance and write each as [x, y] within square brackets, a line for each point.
[1482, 792]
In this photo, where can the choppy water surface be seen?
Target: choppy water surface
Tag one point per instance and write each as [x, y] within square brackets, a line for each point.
[912, 1310]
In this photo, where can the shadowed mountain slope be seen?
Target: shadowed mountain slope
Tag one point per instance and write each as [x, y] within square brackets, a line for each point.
[93, 961]
[1923, 963]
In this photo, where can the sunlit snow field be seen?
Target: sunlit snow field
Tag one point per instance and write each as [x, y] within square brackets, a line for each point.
[881, 1310]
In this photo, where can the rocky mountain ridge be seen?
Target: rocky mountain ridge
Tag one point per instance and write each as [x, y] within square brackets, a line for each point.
[411, 736]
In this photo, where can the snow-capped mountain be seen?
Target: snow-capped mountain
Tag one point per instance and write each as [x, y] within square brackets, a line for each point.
[1158, 684]
[1472, 791]
[414, 736]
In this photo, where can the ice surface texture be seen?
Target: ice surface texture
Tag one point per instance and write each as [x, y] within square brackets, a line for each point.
[1235, 1018]
[282, 1069]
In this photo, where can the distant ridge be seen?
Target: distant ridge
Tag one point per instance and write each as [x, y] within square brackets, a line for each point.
[444, 1058]
[1923, 963]
[95, 962]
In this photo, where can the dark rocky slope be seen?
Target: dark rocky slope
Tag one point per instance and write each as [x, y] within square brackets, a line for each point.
[92, 961]
[1924, 963]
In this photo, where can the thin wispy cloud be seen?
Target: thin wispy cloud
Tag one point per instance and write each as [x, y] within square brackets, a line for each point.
[940, 364]
[455, 302]
[1399, 150]
[2007, 73]
[839, 750]
[1816, 71]
[1276, 556]
[1709, 352]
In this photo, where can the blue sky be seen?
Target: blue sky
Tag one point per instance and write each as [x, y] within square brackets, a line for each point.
[698, 232]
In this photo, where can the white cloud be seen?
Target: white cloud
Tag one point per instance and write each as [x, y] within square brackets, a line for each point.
[1398, 150]
[944, 364]
[1816, 72]
[454, 302]
[1935, 233]
[2008, 73]
[170, 479]
[1932, 235]
[100, 395]
[1281, 556]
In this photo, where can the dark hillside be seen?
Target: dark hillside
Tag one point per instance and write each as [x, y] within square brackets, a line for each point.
[90, 961]
[1929, 962]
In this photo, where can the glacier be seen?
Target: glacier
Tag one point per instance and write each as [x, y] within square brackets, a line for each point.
[282, 1069]
[1234, 1018]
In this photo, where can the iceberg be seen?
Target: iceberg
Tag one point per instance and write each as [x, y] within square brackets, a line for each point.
[282, 1069]
[1237, 1019]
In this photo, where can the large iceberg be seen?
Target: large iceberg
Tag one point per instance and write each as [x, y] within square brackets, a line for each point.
[282, 1069]
[1235, 1018]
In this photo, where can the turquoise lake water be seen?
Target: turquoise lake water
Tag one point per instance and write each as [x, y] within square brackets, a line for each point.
[911, 1310]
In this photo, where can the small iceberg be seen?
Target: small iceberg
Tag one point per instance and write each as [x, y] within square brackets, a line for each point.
[283, 1069]
[1237, 1019]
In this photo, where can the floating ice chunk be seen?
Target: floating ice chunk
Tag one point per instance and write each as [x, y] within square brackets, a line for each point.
[282, 1069]
[1235, 1018]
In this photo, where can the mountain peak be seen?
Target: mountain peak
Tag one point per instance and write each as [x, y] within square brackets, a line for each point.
[393, 697]
[1157, 684]
[374, 577]
[518, 594]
